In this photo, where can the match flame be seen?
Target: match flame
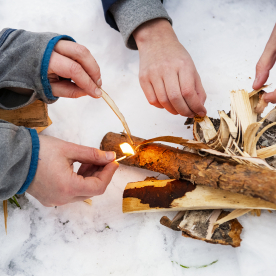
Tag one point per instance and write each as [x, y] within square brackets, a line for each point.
[127, 149]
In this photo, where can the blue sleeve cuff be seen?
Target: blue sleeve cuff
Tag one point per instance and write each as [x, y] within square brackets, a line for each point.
[45, 64]
[108, 15]
[34, 161]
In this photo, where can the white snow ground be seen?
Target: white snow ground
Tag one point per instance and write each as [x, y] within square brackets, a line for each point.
[225, 40]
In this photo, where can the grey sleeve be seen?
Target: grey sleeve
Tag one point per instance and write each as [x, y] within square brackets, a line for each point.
[15, 158]
[130, 14]
[23, 56]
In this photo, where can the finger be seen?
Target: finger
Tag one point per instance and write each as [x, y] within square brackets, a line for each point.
[266, 62]
[187, 86]
[88, 155]
[83, 56]
[149, 92]
[159, 89]
[87, 170]
[67, 89]
[172, 86]
[200, 90]
[67, 68]
[93, 186]
[270, 97]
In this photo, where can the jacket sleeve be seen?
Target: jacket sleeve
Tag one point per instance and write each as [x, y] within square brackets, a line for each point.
[127, 15]
[19, 148]
[24, 61]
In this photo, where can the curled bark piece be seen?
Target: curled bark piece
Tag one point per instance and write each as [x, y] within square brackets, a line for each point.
[176, 140]
[254, 92]
[259, 109]
[207, 127]
[210, 170]
[195, 224]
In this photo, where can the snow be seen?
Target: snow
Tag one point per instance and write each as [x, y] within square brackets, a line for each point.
[225, 40]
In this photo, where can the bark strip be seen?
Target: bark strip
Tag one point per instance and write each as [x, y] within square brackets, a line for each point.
[209, 170]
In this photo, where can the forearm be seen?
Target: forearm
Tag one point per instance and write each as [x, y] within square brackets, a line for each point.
[154, 31]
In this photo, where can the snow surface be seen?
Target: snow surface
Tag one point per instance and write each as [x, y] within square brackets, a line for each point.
[225, 40]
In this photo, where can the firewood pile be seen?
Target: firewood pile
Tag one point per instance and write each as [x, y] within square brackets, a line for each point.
[230, 164]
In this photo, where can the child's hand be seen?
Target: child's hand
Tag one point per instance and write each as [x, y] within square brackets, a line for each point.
[168, 75]
[265, 63]
[56, 184]
[73, 61]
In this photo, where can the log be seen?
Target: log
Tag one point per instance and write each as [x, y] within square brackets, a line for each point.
[33, 115]
[203, 170]
[154, 195]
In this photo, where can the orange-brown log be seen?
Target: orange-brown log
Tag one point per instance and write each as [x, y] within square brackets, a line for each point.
[204, 170]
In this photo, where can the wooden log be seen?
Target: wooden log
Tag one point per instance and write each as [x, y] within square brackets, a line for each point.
[33, 115]
[203, 170]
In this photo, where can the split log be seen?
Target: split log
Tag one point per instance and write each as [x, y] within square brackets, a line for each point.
[208, 170]
[154, 195]
[33, 115]
[199, 225]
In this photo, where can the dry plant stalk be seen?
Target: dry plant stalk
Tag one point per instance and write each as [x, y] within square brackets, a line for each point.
[116, 110]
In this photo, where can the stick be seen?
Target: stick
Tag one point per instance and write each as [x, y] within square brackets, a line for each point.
[203, 170]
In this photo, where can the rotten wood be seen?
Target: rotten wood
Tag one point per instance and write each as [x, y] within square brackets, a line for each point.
[207, 170]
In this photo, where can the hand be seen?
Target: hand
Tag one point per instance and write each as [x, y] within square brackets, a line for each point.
[73, 61]
[265, 63]
[56, 184]
[168, 75]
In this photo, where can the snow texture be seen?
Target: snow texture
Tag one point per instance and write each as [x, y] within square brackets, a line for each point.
[225, 39]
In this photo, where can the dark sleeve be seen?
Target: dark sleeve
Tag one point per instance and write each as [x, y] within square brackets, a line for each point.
[24, 61]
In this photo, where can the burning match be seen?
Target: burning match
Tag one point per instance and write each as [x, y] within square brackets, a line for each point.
[126, 149]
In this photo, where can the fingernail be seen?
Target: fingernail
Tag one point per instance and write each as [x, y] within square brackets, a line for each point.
[99, 82]
[255, 81]
[98, 92]
[110, 155]
[201, 114]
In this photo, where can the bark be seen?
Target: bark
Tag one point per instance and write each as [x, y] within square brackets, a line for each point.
[34, 115]
[208, 170]
[195, 225]
[174, 195]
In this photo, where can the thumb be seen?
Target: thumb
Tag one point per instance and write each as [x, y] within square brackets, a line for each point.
[270, 97]
[266, 61]
[89, 155]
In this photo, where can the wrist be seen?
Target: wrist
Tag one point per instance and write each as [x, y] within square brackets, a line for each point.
[153, 31]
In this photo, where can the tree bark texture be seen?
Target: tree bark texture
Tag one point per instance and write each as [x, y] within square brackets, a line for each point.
[203, 170]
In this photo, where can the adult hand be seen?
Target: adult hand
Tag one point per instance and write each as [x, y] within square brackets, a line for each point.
[168, 75]
[265, 63]
[56, 184]
[74, 61]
